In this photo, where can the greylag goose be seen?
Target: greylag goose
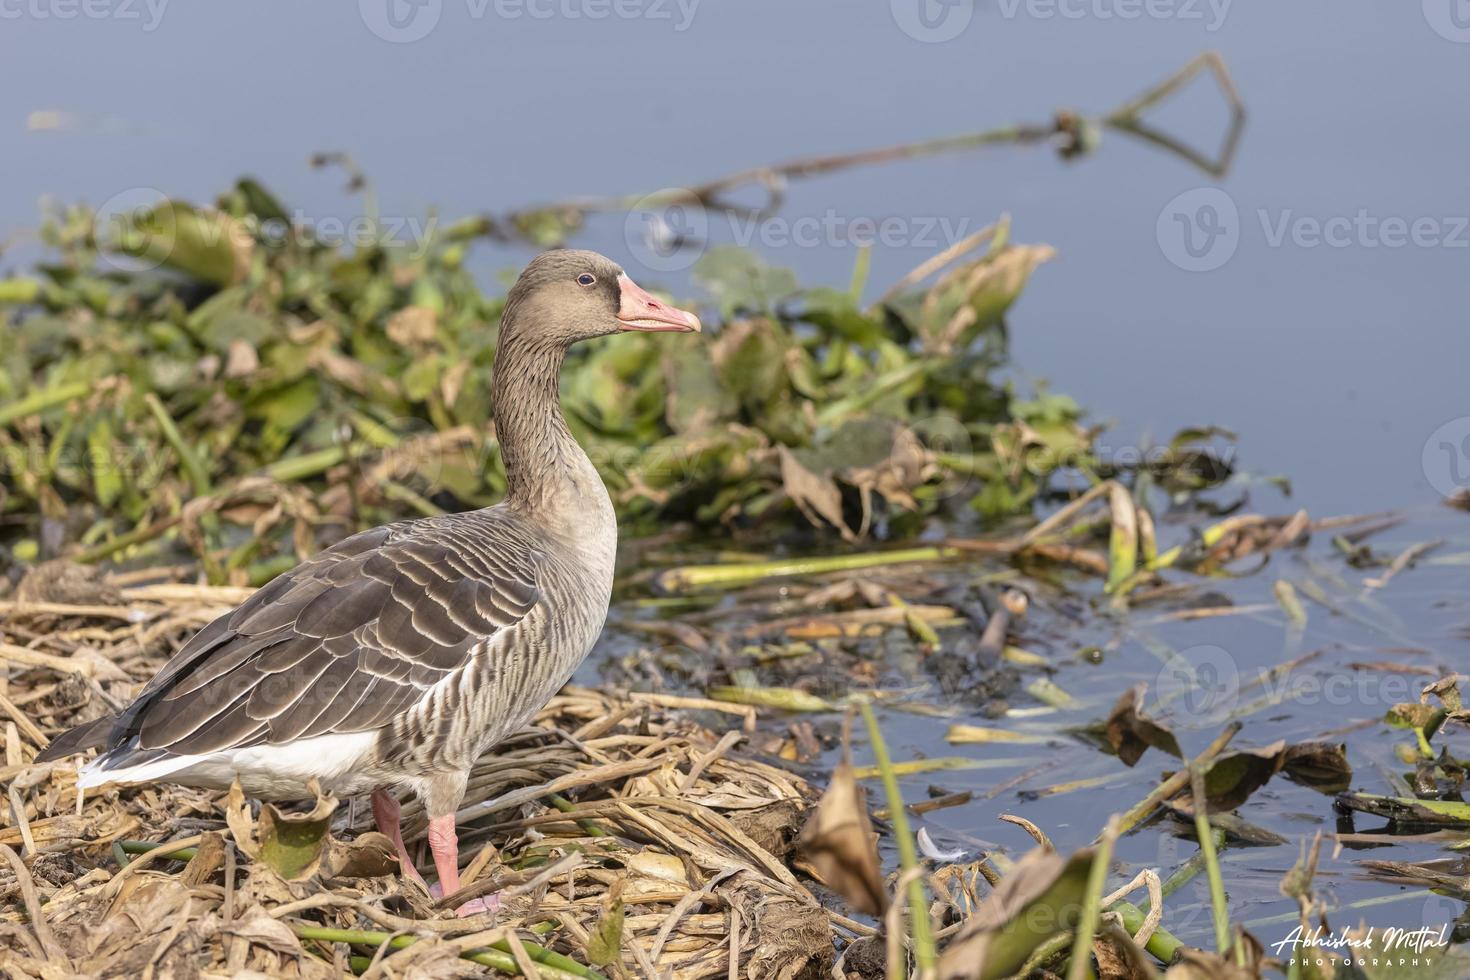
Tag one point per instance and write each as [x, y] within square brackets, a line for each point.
[393, 659]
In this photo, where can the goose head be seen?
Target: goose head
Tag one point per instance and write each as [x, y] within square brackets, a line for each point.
[567, 295]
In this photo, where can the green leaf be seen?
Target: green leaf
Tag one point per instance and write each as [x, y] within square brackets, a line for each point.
[292, 844]
[740, 280]
[206, 245]
[287, 407]
[694, 398]
[19, 291]
[260, 202]
[102, 459]
[1039, 898]
[838, 313]
[421, 378]
[605, 941]
[218, 332]
[1422, 717]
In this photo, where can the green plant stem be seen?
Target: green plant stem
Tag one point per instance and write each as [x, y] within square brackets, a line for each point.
[137, 535]
[565, 805]
[293, 469]
[39, 401]
[553, 966]
[908, 857]
[859, 277]
[1097, 879]
[144, 846]
[198, 478]
[837, 410]
[1218, 907]
[1162, 944]
[697, 576]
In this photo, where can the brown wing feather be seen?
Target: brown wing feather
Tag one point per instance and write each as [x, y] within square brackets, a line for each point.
[343, 642]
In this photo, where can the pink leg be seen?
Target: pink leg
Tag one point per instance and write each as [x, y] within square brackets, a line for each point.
[444, 842]
[385, 812]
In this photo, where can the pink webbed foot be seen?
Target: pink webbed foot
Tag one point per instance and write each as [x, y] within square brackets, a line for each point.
[475, 906]
[445, 844]
[386, 813]
[479, 906]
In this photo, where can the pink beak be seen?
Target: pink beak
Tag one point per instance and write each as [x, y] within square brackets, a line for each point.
[640, 311]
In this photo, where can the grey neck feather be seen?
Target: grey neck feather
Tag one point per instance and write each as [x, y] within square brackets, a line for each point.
[548, 476]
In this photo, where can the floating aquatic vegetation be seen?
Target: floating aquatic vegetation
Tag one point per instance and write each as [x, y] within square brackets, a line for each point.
[222, 377]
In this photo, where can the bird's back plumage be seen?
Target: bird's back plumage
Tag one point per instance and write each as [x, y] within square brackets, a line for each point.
[392, 634]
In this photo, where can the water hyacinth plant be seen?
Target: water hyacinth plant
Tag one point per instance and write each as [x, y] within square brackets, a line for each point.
[219, 376]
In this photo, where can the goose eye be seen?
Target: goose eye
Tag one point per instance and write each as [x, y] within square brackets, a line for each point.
[586, 279]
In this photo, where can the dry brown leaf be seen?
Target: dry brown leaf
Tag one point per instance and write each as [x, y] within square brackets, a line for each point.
[366, 856]
[815, 495]
[1119, 958]
[1131, 733]
[838, 840]
[413, 326]
[1195, 964]
[241, 360]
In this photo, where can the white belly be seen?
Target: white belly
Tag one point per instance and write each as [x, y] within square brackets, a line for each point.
[337, 762]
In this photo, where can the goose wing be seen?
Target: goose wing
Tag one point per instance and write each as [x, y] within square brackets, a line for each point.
[343, 642]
